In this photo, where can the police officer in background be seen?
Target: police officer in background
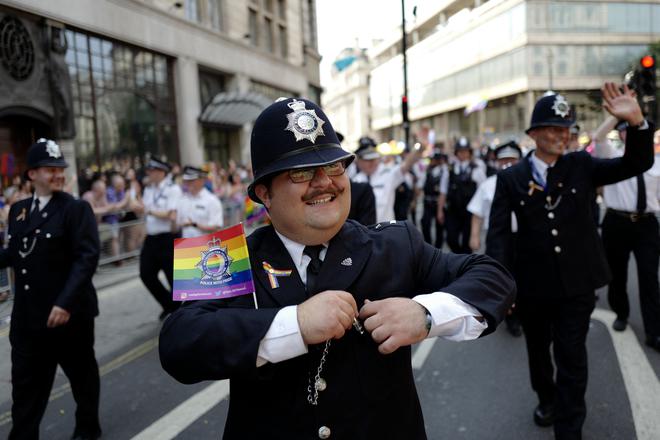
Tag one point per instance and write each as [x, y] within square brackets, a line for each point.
[199, 211]
[557, 258]
[506, 155]
[54, 250]
[160, 201]
[630, 225]
[434, 182]
[301, 365]
[384, 179]
[464, 177]
[363, 201]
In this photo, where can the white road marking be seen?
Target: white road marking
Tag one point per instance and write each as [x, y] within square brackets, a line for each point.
[177, 420]
[422, 352]
[639, 378]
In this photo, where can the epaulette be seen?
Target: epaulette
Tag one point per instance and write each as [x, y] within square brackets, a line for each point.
[383, 225]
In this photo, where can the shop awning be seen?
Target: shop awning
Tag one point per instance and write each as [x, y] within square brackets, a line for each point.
[234, 108]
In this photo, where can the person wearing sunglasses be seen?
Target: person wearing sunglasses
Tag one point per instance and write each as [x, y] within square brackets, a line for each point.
[324, 348]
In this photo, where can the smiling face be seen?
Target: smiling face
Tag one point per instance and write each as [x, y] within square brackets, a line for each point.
[311, 212]
[551, 142]
[47, 180]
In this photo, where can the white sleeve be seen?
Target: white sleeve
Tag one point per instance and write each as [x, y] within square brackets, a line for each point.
[397, 176]
[174, 195]
[283, 339]
[453, 319]
[215, 214]
[476, 205]
[444, 180]
[478, 175]
[421, 181]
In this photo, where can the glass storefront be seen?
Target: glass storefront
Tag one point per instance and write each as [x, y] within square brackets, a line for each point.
[123, 102]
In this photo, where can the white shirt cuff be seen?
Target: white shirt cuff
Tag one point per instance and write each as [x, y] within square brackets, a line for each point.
[453, 319]
[283, 339]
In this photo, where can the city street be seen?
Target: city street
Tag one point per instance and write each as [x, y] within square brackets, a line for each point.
[474, 390]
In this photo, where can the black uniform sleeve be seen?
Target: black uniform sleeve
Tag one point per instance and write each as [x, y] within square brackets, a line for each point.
[637, 158]
[81, 227]
[499, 240]
[475, 279]
[5, 256]
[213, 340]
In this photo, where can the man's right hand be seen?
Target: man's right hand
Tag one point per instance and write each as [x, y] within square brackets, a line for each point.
[440, 216]
[326, 315]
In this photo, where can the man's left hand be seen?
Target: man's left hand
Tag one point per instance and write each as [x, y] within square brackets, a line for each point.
[58, 316]
[622, 104]
[394, 322]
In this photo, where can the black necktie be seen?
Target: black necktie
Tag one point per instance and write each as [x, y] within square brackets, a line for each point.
[641, 194]
[36, 205]
[314, 266]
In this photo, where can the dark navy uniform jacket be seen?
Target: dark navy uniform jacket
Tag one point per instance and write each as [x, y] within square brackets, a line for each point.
[368, 395]
[54, 254]
[558, 251]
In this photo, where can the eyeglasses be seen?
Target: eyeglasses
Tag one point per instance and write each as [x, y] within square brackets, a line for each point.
[306, 174]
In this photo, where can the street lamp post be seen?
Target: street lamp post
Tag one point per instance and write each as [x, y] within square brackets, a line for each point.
[404, 98]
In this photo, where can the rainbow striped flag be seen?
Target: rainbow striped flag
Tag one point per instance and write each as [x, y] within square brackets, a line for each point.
[212, 266]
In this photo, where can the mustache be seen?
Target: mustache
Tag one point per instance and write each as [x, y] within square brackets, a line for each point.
[333, 191]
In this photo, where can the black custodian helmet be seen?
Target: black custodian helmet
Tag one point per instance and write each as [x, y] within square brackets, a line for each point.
[292, 133]
[551, 111]
[44, 153]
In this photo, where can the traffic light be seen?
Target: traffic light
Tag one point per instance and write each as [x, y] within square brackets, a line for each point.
[646, 86]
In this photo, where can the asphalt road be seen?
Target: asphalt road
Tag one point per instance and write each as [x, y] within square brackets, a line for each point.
[472, 390]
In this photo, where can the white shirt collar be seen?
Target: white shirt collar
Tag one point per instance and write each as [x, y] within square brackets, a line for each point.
[540, 165]
[299, 259]
[43, 200]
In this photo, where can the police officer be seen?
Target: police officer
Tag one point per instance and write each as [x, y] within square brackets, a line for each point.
[631, 225]
[434, 182]
[464, 177]
[160, 201]
[558, 258]
[363, 201]
[302, 365]
[506, 155]
[54, 250]
[199, 211]
[384, 179]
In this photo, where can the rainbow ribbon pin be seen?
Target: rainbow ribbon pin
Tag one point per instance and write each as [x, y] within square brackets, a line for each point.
[274, 273]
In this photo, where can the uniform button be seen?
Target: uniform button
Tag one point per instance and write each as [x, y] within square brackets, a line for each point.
[24, 239]
[555, 232]
[26, 287]
[23, 271]
[38, 231]
[324, 432]
[557, 249]
[48, 235]
[551, 215]
[573, 190]
[522, 203]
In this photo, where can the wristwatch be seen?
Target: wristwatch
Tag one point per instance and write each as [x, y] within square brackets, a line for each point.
[429, 320]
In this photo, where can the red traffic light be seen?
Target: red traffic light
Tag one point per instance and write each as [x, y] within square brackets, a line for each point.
[404, 98]
[647, 61]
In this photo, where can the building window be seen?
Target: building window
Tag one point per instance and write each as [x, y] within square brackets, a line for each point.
[254, 27]
[268, 32]
[123, 101]
[270, 91]
[281, 9]
[210, 84]
[215, 14]
[311, 23]
[192, 10]
[284, 45]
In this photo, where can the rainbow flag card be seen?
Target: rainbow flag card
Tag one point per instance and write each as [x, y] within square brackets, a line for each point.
[212, 266]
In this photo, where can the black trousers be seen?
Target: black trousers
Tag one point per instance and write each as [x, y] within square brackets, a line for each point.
[621, 236]
[158, 254]
[35, 358]
[430, 218]
[562, 323]
[457, 224]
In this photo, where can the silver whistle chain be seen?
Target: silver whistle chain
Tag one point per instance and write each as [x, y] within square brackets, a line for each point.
[313, 395]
